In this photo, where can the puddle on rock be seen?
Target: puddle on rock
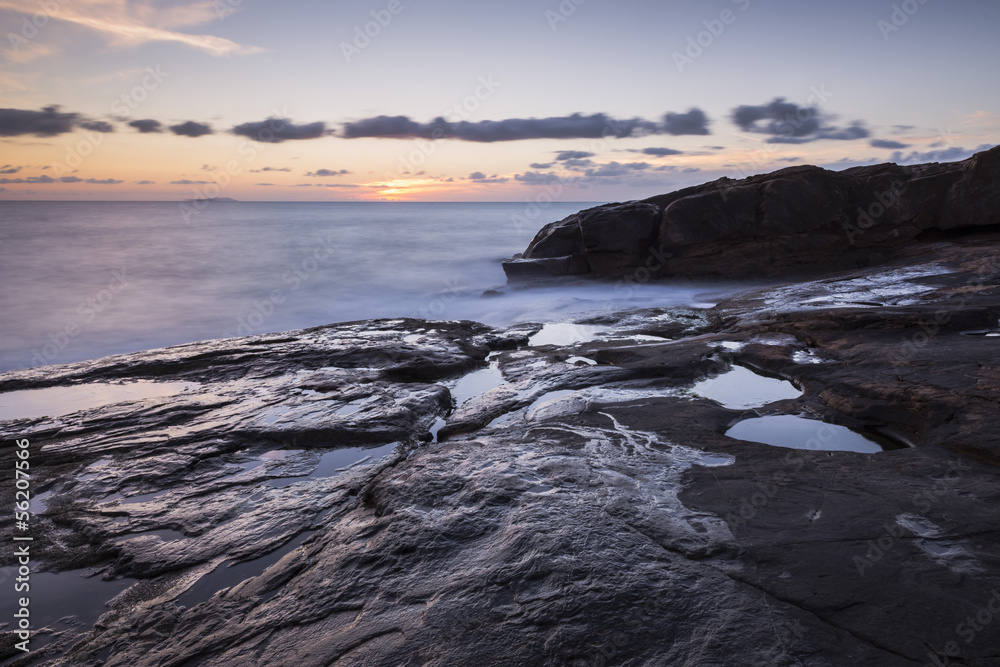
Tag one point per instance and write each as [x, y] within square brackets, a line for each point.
[741, 388]
[59, 401]
[477, 383]
[227, 574]
[55, 596]
[335, 461]
[796, 432]
[565, 333]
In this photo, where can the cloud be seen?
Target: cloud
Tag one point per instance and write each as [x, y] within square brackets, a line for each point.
[264, 184]
[43, 179]
[30, 179]
[9, 169]
[326, 185]
[480, 177]
[789, 123]
[575, 126]
[572, 155]
[947, 155]
[693, 122]
[146, 125]
[97, 126]
[131, 23]
[541, 165]
[191, 129]
[616, 169]
[578, 165]
[185, 181]
[145, 182]
[535, 177]
[48, 122]
[257, 171]
[883, 143]
[327, 173]
[789, 159]
[276, 130]
[657, 152]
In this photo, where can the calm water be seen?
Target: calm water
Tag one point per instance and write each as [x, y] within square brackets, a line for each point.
[85, 279]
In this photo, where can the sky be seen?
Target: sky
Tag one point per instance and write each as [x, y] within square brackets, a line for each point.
[449, 100]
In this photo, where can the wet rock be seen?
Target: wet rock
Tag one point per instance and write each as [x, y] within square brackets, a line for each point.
[798, 220]
[584, 507]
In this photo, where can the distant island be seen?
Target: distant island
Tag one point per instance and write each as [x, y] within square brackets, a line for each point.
[208, 199]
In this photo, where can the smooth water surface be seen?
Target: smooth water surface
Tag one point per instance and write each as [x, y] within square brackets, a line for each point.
[87, 279]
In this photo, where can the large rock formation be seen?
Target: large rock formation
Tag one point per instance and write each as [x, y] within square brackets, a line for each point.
[796, 220]
[584, 507]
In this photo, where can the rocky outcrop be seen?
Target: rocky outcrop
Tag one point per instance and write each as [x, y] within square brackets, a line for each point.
[793, 221]
[584, 507]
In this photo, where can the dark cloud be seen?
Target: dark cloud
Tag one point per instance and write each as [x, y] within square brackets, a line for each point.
[883, 143]
[30, 179]
[541, 165]
[97, 126]
[146, 125]
[616, 169]
[693, 122]
[572, 155]
[536, 177]
[48, 122]
[257, 171]
[789, 123]
[789, 159]
[185, 181]
[575, 126]
[326, 173]
[145, 182]
[947, 155]
[263, 184]
[659, 152]
[578, 165]
[64, 179]
[9, 169]
[191, 129]
[480, 177]
[276, 130]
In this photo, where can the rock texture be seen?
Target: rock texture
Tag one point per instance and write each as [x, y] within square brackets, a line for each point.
[585, 509]
[793, 221]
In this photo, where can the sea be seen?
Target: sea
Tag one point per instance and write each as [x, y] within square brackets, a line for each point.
[83, 280]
